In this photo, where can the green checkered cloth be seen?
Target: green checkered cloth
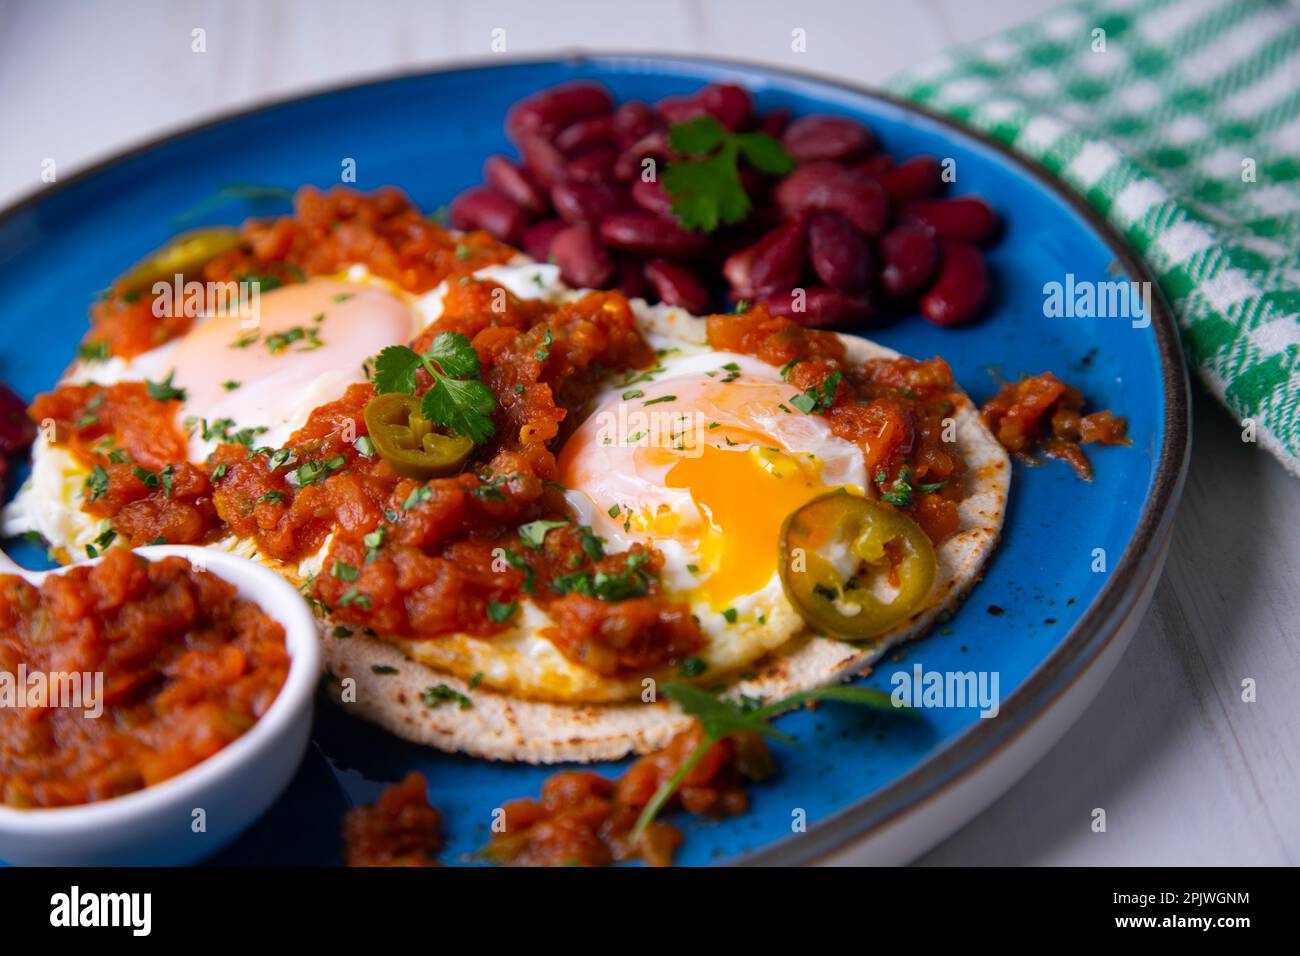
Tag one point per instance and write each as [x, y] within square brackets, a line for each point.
[1180, 123]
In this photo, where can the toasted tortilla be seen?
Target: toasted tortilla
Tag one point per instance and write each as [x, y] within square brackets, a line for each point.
[389, 688]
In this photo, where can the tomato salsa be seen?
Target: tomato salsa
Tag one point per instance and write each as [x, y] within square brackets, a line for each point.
[894, 410]
[185, 667]
[398, 829]
[584, 819]
[1041, 412]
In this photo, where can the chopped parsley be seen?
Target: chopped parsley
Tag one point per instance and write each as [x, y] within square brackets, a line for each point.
[440, 694]
[633, 581]
[345, 572]
[93, 351]
[310, 472]
[97, 482]
[500, 613]
[280, 341]
[819, 398]
[165, 391]
[534, 533]
[692, 667]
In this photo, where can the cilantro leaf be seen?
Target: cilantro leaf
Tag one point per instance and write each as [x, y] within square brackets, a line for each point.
[462, 405]
[765, 153]
[697, 136]
[706, 190]
[454, 355]
[395, 369]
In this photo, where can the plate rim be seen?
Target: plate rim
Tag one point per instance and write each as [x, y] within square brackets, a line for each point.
[1099, 624]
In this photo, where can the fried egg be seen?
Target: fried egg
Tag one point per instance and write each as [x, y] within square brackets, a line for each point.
[702, 458]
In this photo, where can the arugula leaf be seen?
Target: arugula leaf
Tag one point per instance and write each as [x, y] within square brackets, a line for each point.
[707, 190]
[720, 718]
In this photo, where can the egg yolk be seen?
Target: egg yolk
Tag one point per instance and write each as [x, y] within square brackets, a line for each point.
[744, 496]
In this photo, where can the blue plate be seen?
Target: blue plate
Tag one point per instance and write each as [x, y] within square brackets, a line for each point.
[1040, 618]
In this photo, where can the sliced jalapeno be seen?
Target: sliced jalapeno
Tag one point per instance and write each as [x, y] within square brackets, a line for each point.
[409, 442]
[853, 567]
[181, 256]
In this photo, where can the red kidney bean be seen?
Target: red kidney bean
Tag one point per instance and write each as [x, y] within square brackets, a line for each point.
[652, 197]
[774, 122]
[16, 429]
[515, 184]
[911, 256]
[821, 306]
[594, 164]
[588, 202]
[729, 104]
[585, 134]
[645, 234]
[481, 208]
[584, 261]
[850, 192]
[877, 165]
[629, 278]
[677, 285]
[778, 258]
[549, 111]
[811, 138]
[840, 255]
[913, 178]
[539, 236]
[960, 289]
[737, 271]
[628, 165]
[966, 217]
[633, 121]
[542, 160]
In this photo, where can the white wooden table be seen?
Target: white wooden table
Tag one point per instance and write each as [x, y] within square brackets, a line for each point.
[1187, 772]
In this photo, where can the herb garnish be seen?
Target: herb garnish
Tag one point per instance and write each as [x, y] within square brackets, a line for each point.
[720, 718]
[707, 190]
[164, 391]
[818, 398]
[440, 694]
[457, 400]
[534, 533]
